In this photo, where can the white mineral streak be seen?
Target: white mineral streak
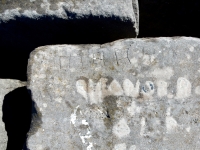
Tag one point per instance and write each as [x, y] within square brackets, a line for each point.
[142, 123]
[81, 87]
[44, 105]
[161, 88]
[39, 147]
[134, 61]
[84, 122]
[188, 129]
[73, 116]
[191, 49]
[133, 147]
[115, 88]
[133, 109]
[58, 99]
[163, 74]
[171, 123]
[130, 89]
[197, 90]
[120, 146]
[146, 60]
[90, 146]
[121, 129]
[83, 138]
[183, 88]
[95, 92]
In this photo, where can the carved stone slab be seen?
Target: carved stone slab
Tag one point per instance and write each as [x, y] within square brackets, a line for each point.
[6, 85]
[127, 95]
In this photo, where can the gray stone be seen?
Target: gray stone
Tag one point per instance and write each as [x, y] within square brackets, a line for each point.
[125, 11]
[36, 8]
[28, 24]
[126, 95]
[6, 85]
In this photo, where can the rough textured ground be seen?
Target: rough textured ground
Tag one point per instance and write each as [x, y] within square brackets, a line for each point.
[6, 85]
[126, 95]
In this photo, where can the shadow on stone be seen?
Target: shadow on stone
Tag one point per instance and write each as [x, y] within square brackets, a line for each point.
[169, 18]
[20, 36]
[17, 111]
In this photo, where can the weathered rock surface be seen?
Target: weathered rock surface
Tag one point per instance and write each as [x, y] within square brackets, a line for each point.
[6, 85]
[126, 95]
[26, 25]
[36, 8]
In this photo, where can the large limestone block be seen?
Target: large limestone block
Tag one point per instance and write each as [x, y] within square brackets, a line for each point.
[127, 95]
[6, 85]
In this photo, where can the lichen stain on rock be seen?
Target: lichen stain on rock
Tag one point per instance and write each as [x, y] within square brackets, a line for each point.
[3, 1]
[110, 106]
[109, 80]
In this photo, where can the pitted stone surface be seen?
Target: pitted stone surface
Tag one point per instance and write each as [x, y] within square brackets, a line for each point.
[127, 95]
[6, 85]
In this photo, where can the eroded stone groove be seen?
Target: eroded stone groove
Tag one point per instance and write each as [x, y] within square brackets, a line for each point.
[129, 94]
[26, 25]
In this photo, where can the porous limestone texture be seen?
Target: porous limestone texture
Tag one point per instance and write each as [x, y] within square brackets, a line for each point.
[6, 85]
[126, 95]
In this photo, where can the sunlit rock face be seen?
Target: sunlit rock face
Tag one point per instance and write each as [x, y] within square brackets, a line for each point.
[28, 24]
[125, 95]
[6, 86]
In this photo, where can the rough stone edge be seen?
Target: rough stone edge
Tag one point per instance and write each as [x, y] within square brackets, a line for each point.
[135, 5]
[44, 48]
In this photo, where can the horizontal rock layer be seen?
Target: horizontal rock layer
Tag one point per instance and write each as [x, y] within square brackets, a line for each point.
[6, 85]
[129, 94]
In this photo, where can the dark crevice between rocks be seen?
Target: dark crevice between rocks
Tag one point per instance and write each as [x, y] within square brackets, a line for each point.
[18, 109]
[166, 18]
[22, 35]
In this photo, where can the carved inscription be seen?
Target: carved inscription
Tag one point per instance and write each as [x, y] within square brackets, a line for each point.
[96, 92]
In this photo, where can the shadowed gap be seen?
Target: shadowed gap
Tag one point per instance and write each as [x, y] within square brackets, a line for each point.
[20, 36]
[18, 108]
[169, 18]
